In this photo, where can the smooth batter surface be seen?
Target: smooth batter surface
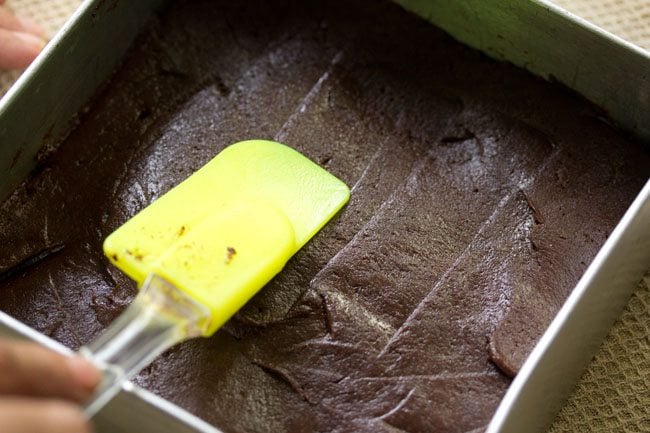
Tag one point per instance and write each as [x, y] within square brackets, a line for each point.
[480, 195]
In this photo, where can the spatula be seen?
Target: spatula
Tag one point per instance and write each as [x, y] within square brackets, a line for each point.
[203, 249]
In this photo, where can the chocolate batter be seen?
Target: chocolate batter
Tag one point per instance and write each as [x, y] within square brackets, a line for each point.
[479, 196]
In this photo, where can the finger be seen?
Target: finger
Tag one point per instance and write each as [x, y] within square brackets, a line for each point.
[10, 21]
[21, 415]
[18, 50]
[31, 370]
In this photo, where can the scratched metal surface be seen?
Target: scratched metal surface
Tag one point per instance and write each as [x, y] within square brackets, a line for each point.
[534, 34]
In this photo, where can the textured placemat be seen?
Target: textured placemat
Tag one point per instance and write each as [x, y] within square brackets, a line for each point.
[613, 395]
[50, 14]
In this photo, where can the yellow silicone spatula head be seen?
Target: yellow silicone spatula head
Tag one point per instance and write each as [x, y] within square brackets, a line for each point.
[224, 232]
[206, 247]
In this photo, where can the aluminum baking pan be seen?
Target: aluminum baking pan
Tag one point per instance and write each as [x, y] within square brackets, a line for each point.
[536, 35]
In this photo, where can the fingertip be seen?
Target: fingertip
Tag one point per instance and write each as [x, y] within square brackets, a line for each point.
[30, 26]
[29, 415]
[31, 42]
[19, 23]
[85, 375]
[65, 417]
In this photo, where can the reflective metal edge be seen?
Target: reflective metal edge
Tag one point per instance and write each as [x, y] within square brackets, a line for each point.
[551, 42]
[133, 410]
[41, 106]
[568, 345]
[535, 34]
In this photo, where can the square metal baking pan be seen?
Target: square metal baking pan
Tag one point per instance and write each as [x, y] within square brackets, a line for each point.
[532, 34]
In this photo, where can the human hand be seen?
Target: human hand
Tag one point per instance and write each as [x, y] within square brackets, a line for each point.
[21, 39]
[40, 390]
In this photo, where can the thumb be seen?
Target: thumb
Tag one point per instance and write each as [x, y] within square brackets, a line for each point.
[30, 370]
[17, 23]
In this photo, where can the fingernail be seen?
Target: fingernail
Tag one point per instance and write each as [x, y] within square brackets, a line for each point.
[31, 26]
[85, 375]
[28, 40]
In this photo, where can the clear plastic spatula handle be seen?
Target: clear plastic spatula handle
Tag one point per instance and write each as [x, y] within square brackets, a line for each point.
[159, 317]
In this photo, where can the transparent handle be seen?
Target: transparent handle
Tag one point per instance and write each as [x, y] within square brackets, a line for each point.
[159, 317]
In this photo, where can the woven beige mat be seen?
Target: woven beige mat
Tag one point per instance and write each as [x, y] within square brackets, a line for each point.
[614, 393]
